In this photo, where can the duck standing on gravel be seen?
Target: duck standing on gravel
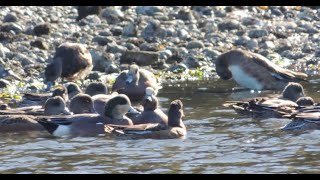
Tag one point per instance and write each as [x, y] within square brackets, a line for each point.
[253, 71]
[71, 61]
[133, 82]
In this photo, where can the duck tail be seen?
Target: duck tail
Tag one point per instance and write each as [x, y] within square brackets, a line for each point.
[49, 126]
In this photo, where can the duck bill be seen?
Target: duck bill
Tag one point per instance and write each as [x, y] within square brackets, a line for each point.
[66, 111]
[129, 79]
[133, 110]
[149, 98]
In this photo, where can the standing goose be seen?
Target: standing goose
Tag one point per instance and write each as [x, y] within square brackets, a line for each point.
[71, 61]
[134, 82]
[253, 71]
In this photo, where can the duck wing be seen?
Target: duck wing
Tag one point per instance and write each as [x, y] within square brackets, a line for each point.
[276, 71]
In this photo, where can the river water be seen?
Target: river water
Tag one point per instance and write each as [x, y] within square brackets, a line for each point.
[218, 141]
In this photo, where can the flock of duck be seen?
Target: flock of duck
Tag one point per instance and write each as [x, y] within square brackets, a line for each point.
[71, 111]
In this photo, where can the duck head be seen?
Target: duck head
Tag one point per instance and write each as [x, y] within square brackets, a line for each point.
[62, 92]
[305, 101]
[52, 72]
[293, 91]
[133, 75]
[81, 104]
[222, 66]
[55, 106]
[118, 106]
[175, 113]
[149, 93]
[73, 89]
[96, 88]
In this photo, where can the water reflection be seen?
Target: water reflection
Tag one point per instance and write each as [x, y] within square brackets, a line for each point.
[218, 141]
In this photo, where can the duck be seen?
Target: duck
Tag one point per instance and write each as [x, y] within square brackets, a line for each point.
[151, 113]
[306, 101]
[19, 123]
[26, 119]
[303, 120]
[73, 89]
[53, 106]
[95, 88]
[174, 130]
[41, 98]
[133, 82]
[100, 101]
[72, 61]
[254, 71]
[267, 107]
[89, 124]
[81, 104]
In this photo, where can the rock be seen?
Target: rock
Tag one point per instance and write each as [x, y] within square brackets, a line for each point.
[165, 54]
[155, 47]
[116, 31]
[94, 75]
[183, 34]
[84, 11]
[105, 32]
[148, 10]
[185, 15]
[268, 45]
[8, 27]
[228, 25]
[192, 62]
[112, 68]
[10, 18]
[42, 29]
[317, 53]
[211, 53]
[176, 57]
[292, 55]
[195, 45]
[257, 33]
[4, 83]
[90, 20]
[153, 31]
[39, 44]
[252, 44]
[307, 48]
[102, 41]
[276, 12]
[2, 52]
[76, 34]
[241, 41]
[177, 68]
[101, 60]
[6, 37]
[115, 48]
[23, 59]
[131, 46]
[130, 30]
[142, 58]
[112, 15]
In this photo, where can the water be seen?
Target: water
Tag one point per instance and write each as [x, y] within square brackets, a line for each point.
[218, 141]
